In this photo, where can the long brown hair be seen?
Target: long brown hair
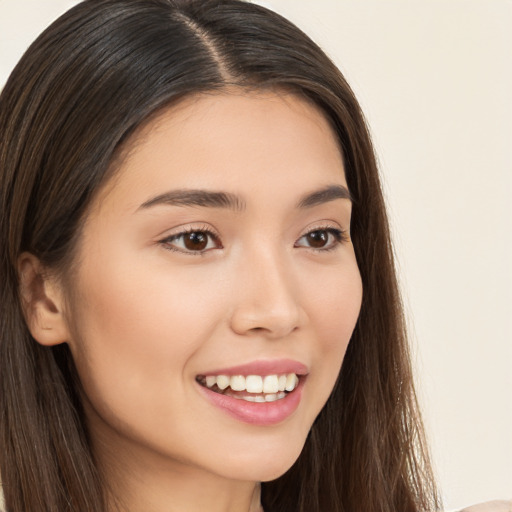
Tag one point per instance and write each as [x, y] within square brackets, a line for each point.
[80, 90]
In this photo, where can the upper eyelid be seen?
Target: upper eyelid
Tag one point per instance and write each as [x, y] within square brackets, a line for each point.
[206, 229]
[323, 225]
[341, 234]
[167, 242]
[185, 229]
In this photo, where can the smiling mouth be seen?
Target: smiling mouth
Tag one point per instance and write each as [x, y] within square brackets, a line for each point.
[251, 388]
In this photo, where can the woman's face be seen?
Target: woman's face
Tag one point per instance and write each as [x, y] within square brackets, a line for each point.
[219, 254]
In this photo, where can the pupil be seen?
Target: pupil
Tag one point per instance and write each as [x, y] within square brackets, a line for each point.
[318, 238]
[196, 241]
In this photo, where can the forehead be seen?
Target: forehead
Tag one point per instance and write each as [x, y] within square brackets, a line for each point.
[237, 141]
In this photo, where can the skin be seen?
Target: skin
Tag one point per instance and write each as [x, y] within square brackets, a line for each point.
[144, 316]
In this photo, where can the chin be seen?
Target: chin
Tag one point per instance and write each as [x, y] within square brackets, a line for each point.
[264, 463]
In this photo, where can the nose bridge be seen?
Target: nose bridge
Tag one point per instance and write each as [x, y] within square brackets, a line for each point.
[267, 300]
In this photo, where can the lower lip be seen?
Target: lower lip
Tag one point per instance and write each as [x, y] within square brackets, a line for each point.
[255, 413]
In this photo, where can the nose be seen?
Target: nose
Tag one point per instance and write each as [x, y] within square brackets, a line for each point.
[267, 299]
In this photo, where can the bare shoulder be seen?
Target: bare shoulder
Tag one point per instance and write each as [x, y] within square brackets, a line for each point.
[491, 506]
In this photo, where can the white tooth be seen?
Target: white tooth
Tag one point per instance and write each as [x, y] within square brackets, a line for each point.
[270, 384]
[254, 384]
[211, 380]
[222, 381]
[291, 381]
[271, 398]
[282, 382]
[249, 398]
[237, 383]
[281, 394]
[259, 398]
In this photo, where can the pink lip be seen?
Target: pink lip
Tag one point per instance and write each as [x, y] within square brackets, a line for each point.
[270, 367]
[255, 413]
[263, 414]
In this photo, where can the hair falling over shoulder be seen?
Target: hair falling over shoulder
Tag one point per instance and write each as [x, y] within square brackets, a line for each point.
[89, 81]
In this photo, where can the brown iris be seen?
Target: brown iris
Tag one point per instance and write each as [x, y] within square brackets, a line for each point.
[318, 239]
[195, 241]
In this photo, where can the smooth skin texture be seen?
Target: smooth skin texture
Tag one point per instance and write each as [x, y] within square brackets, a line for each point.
[148, 309]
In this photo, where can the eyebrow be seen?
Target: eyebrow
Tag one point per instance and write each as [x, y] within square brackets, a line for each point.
[324, 195]
[203, 198]
[212, 199]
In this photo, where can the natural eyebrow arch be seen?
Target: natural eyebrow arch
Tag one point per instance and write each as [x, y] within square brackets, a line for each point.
[202, 198]
[212, 199]
[324, 195]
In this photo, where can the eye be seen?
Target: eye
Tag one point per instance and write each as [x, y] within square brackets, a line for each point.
[192, 241]
[322, 239]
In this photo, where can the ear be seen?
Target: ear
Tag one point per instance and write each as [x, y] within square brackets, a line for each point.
[42, 301]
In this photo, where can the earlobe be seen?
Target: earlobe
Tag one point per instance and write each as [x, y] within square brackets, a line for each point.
[42, 302]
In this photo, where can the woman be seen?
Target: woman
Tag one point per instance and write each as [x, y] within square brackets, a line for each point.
[193, 232]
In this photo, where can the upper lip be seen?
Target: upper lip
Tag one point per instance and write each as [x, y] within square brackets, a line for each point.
[263, 367]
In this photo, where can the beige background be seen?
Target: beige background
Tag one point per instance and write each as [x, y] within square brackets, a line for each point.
[435, 79]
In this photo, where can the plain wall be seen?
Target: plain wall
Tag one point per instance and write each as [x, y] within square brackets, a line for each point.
[435, 79]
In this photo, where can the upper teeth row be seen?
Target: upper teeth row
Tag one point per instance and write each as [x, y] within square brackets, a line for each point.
[254, 383]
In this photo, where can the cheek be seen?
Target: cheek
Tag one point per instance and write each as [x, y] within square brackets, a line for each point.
[136, 329]
[334, 310]
[335, 301]
[138, 305]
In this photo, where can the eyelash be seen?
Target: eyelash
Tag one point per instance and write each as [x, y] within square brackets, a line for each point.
[340, 236]
[211, 235]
